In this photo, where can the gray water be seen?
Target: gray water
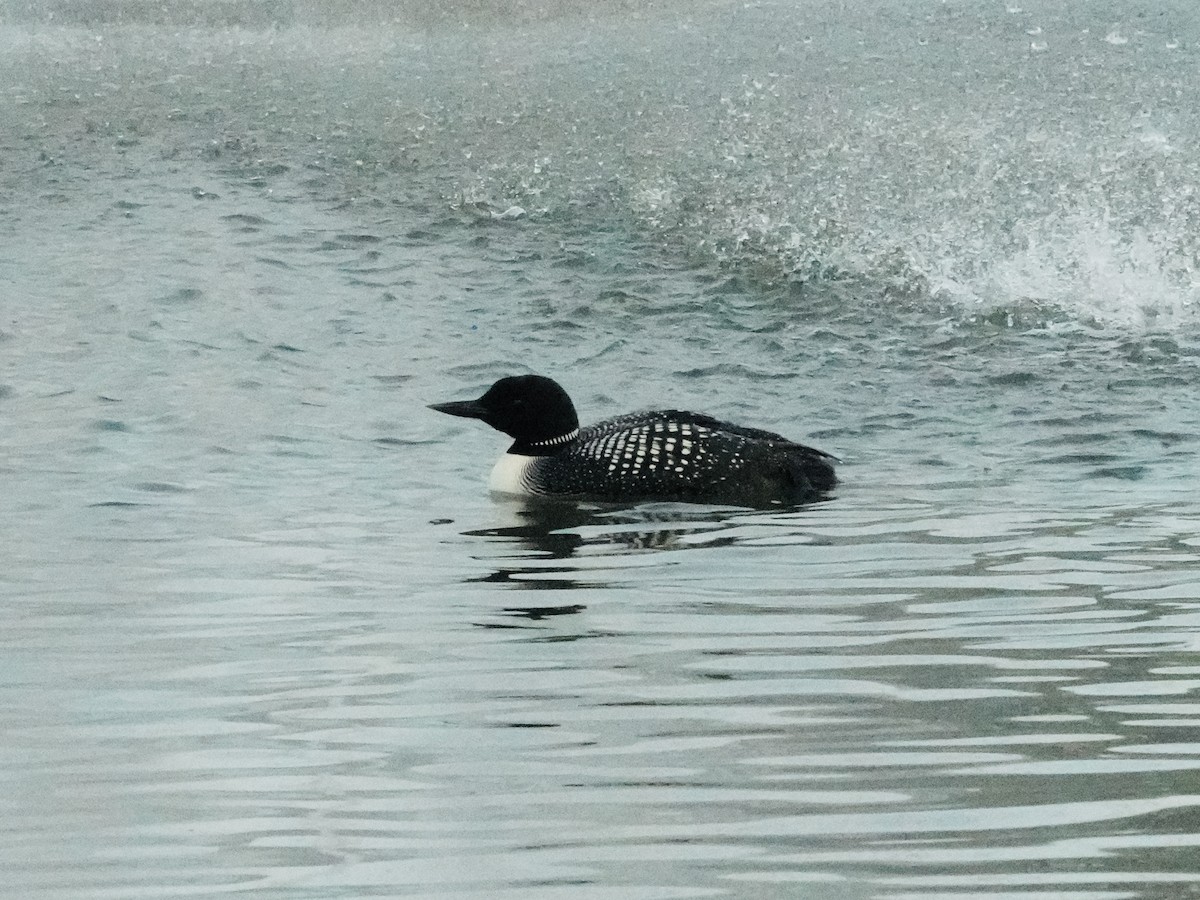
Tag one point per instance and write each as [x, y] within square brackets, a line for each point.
[265, 631]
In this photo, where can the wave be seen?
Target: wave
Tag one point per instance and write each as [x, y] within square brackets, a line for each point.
[936, 160]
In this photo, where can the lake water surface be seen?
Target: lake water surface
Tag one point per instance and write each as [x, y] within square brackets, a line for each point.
[267, 634]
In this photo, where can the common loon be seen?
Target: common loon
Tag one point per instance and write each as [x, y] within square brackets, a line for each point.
[659, 455]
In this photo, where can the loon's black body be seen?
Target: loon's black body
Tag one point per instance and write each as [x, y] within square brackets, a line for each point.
[660, 455]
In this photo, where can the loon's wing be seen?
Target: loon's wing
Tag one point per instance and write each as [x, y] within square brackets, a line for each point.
[681, 417]
[678, 455]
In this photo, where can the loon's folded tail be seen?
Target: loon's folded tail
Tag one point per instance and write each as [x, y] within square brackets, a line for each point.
[811, 471]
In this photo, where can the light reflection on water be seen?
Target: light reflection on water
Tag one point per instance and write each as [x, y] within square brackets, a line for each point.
[593, 711]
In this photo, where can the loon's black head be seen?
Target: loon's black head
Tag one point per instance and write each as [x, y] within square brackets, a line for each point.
[532, 409]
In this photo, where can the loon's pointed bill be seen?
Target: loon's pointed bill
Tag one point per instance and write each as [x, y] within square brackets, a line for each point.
[468, 409]
[658, 455]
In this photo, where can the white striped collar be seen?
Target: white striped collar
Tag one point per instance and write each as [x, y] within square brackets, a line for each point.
[554, 442]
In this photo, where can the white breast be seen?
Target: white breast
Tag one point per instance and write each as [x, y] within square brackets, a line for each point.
[508, 475]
